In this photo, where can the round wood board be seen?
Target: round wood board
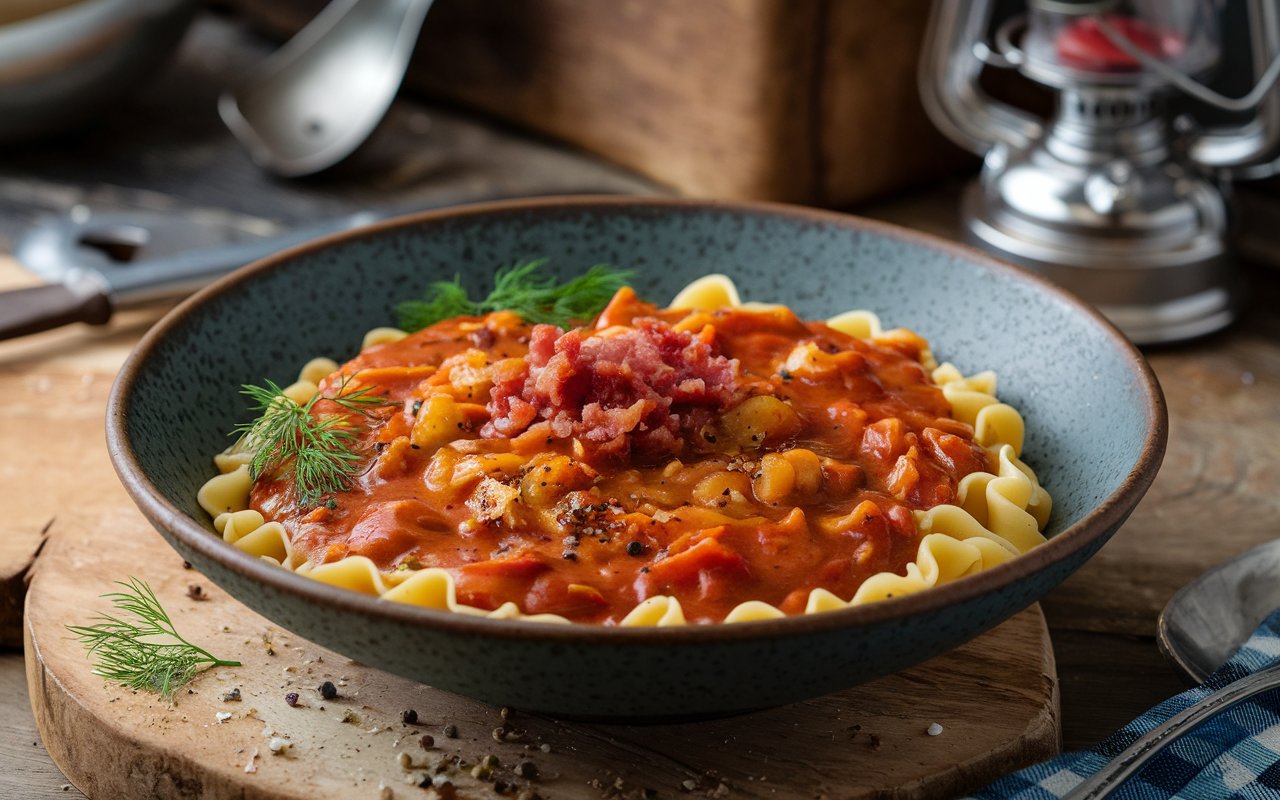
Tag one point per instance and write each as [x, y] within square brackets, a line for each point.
[995, 698]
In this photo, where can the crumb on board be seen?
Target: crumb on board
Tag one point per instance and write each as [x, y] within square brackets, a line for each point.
[279, 745]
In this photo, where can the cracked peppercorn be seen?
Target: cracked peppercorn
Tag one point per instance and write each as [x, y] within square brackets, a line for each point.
[526, 769]
[328, 691]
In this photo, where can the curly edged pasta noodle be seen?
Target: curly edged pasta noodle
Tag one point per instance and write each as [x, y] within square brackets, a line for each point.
[992, 516]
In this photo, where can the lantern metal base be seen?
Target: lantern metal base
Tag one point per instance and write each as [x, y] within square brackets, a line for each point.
[1157, 290]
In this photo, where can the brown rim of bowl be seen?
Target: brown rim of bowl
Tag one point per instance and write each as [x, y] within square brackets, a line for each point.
[1109, 513]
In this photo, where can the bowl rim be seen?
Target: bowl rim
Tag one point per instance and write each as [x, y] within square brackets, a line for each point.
[1109, 513]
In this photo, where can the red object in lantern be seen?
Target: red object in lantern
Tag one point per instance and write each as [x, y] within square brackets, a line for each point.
[1083, 45]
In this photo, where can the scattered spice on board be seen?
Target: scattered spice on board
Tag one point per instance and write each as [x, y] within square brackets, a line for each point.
[409, 716]
[527, 769]
[196, 592]
[291, 699]
[328, 691]
[451, 731]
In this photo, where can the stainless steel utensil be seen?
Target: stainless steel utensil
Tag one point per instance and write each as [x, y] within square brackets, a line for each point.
[313, 102]
[96, 264]
[1204, 623]
[1210, 617]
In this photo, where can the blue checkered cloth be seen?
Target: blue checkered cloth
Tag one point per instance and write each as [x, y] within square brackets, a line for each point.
[1234, 754]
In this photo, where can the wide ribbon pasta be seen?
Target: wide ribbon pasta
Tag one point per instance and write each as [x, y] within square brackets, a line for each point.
[995, 517]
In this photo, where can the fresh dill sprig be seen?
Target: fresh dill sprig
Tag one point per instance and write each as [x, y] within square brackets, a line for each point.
[443, 300]
[145, 652]
[521, 288]
[320, 449]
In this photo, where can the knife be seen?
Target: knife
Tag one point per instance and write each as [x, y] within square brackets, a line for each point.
[95, 264]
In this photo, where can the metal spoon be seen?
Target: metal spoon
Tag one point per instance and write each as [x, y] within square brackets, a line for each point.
[313, 102]
[1204, 623]
[1209, 618]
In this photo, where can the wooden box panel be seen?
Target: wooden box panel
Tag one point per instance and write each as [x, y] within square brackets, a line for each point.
[810, 101]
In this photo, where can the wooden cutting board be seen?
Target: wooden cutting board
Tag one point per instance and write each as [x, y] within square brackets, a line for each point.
[995, 699]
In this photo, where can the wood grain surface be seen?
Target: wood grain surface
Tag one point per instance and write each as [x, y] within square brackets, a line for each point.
[55, 385]
[995, 698]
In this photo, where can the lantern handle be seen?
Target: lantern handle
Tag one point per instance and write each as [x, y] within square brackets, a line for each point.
[950, 65]
[1186, 83]
[1006, 54]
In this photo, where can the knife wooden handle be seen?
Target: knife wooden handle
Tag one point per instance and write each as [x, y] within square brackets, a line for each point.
[24, 311]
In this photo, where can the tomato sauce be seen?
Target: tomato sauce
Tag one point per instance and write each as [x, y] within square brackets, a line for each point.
[730, 456]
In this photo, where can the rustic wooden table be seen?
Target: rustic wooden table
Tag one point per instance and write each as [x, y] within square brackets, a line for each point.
[1215, 496]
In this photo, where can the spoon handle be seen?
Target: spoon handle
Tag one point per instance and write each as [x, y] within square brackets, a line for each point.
[1124, 766]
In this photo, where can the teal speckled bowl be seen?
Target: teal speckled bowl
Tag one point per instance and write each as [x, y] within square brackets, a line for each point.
[1095, 419]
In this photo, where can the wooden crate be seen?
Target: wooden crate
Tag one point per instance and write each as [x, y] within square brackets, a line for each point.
[810, 101]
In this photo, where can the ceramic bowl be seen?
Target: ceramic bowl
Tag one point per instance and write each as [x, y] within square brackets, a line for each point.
[1095, 419]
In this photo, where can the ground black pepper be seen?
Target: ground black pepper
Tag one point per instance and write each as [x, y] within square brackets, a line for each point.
[328, 691]
[635, 548]
[526, 769]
